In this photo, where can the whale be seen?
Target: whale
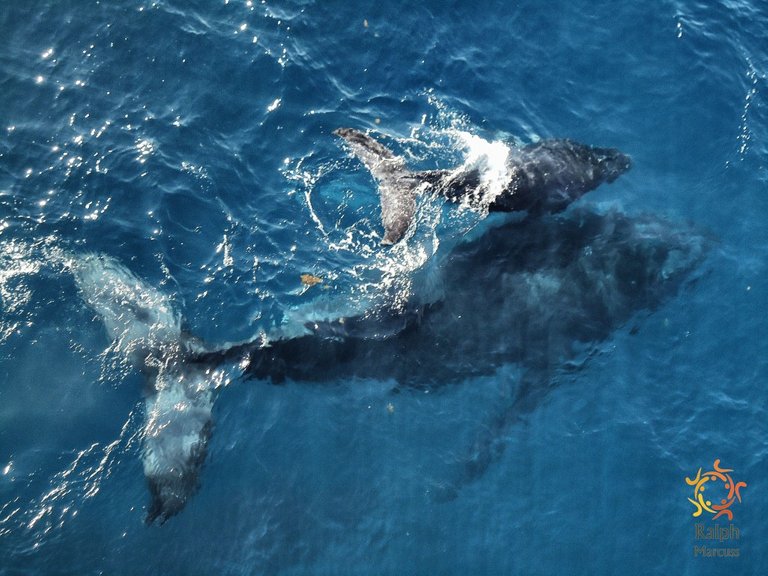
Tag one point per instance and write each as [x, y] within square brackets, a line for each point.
[532, 292]
[545, 177]
[540, 293]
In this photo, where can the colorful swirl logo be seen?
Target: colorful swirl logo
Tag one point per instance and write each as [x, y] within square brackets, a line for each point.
[717, 474]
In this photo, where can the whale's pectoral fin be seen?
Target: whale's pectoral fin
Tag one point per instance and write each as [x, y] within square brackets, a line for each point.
[397, 184]
[178, 426]
[146, 331]
[491, 439]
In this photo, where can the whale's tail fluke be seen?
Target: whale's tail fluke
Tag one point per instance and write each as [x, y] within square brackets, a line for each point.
[146, 330]
[398, 186]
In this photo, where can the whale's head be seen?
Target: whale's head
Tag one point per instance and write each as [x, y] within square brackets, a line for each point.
[610, 163]
[643, 259]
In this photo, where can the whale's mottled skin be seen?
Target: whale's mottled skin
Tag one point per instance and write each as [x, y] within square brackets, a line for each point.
[535, 292]
[145, 329]
[542, 178]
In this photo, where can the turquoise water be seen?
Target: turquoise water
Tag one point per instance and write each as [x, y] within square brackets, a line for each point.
[192, 141]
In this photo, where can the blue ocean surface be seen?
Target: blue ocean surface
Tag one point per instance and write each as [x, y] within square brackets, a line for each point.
[192, 142]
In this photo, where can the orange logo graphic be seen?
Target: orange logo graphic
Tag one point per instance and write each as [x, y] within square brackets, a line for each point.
[715, 475]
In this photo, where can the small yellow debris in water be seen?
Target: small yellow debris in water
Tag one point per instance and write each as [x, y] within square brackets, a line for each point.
[310, 279]
[378, 120]
[390, 408]
[365, 23]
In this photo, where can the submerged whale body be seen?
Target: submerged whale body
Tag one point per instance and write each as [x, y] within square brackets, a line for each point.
[537, 292]
[533, 292]
[541, 178]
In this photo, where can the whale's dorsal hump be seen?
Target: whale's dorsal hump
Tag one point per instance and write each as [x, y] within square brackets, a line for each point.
[397, 184]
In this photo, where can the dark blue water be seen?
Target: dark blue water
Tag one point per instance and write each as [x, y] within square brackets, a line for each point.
[192, 141]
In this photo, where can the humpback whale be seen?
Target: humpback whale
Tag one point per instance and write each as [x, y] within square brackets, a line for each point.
[532, 292]
[537, 292]
[541, 178]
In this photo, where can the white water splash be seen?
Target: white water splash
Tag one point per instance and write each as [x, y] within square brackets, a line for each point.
[490, 159]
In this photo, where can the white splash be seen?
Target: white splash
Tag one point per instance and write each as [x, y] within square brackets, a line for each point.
[490, 159]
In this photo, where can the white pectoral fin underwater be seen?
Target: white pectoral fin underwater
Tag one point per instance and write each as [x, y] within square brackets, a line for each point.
[145, 330]
[550, 284]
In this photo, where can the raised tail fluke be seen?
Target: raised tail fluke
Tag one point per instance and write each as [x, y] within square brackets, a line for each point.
[397, 185]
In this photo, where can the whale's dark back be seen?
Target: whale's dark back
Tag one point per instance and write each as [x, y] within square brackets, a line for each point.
[550, 175]
[534, 292]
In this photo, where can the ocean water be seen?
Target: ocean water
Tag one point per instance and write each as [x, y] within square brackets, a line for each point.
[192, 142]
